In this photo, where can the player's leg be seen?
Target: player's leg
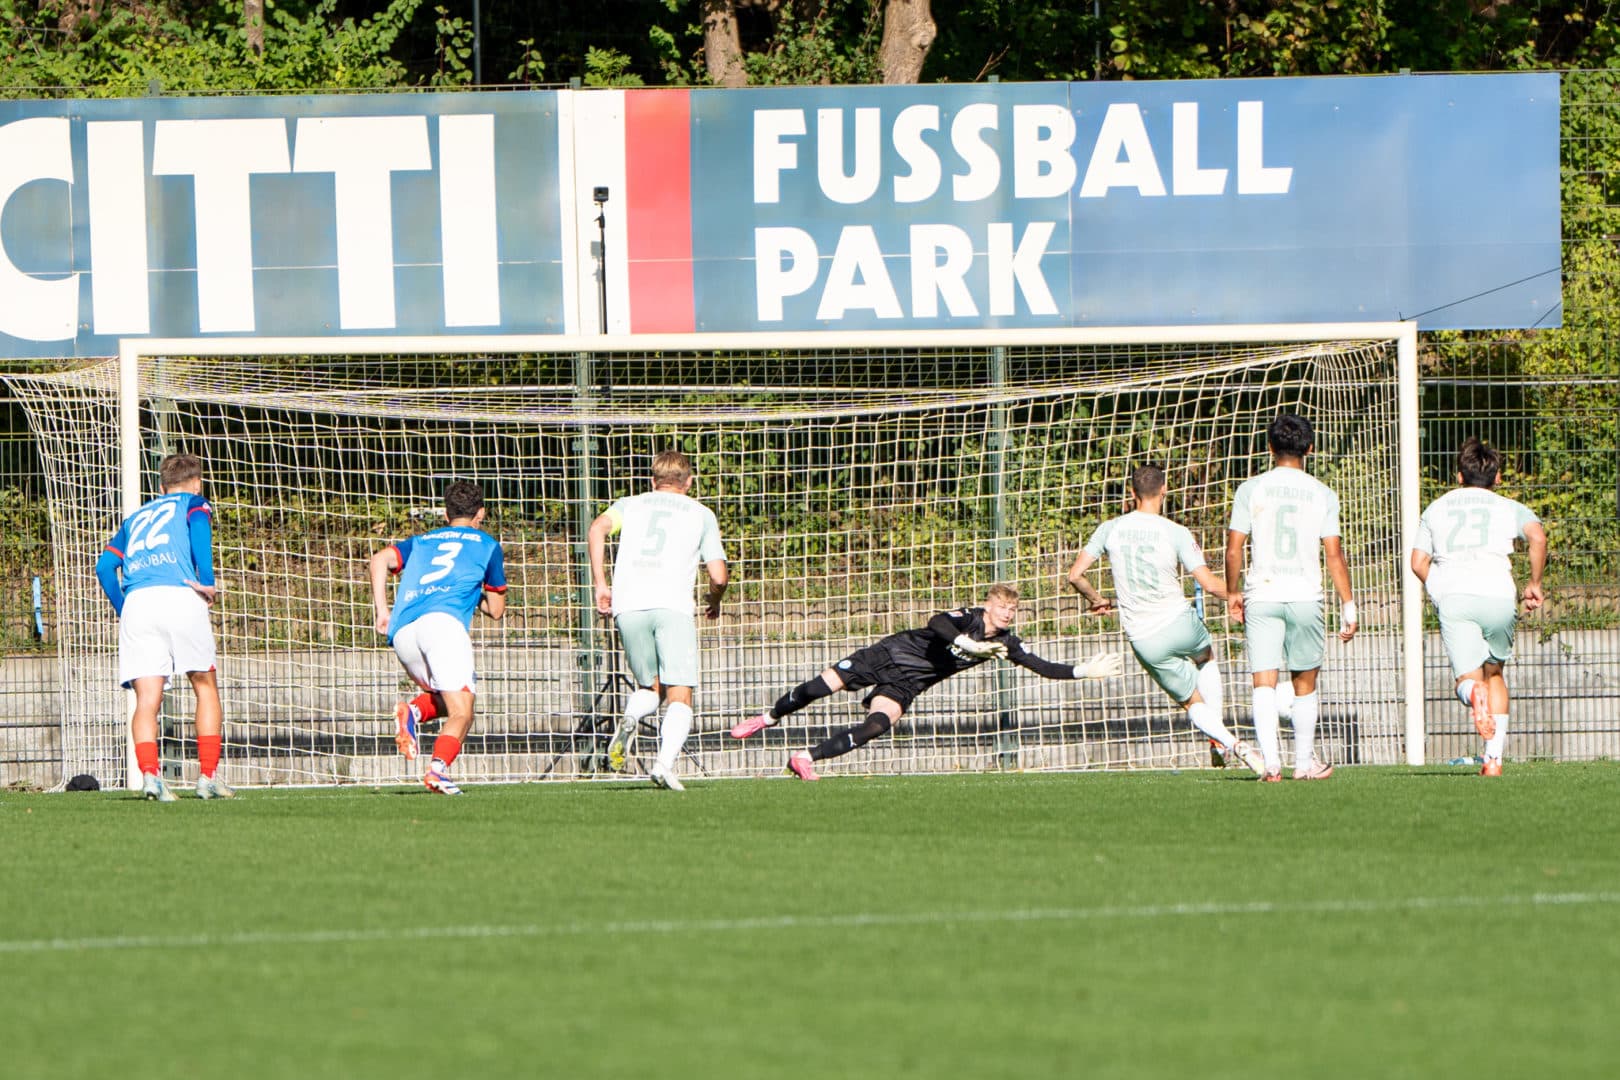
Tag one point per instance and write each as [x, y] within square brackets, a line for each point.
[1306, 714]
[409, 715]
[1263, 631]
[636, 637]
[143, 732]
[145, 661]
[1497, 690]
[829, 681]
[1477, 632]
[448, 651]
[1304, 649]
[210, 735]
[676, 636]
[884, 710]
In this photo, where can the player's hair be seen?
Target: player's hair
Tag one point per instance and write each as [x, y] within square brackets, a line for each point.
[1147, 481]
[671, 467]
[1002, 591]
[1290, 435]
[177, 469]
[1479, 464]
[462, 499]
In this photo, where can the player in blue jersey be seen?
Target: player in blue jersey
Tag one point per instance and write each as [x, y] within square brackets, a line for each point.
[444, 576]
[158, 571]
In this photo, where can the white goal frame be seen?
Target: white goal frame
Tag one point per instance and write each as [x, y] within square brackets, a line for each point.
[1404, 334]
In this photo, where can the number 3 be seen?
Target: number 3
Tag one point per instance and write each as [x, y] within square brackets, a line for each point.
[446, 558]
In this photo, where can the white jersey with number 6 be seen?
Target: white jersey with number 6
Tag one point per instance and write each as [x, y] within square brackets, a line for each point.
[1145, 552]
[663, 537]
[1287, 513]
[1470, 532]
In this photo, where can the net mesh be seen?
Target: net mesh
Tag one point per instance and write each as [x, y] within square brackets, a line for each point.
[858, 491]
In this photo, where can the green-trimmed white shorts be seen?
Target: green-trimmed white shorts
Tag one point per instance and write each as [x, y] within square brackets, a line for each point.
[1166, 654]
[660, 643]
[1284, 636]
[1475, 629]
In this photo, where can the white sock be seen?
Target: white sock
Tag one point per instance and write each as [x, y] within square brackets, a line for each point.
[1206, 719]
[1265, 727]
[1493, 745]
[1304, 730]
[1285, 696]
[643, 702]
[1465, 692]
[672, 735]
[1210, 687]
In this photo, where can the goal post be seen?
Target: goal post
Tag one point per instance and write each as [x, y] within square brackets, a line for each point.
[863, 480]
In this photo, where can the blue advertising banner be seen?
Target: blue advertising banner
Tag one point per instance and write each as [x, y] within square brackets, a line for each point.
[1433, 198]
[1105, 204]
[409, 214]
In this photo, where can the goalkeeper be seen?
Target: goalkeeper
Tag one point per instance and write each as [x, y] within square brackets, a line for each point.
[903, 665]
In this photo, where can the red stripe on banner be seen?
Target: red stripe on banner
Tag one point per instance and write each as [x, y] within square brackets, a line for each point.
[658, 206]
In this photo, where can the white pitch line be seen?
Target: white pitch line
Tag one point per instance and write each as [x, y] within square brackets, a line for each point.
[799, 922]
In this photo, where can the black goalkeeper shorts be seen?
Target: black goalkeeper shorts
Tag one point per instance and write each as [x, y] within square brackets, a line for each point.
[873, 667]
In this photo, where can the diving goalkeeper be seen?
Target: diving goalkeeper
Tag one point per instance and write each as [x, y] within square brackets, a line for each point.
[903, 665]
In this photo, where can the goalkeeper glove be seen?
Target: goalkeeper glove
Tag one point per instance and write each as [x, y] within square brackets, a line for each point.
[977, 650]
[1105, 666]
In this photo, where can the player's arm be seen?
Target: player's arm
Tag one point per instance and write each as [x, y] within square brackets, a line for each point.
[1339, 572]
[382, 564]
[1098, 667]
[1536, 537]
[1234, 573]
[1422, 562]
[493, 600]
[605, 525]
[1098, 603]
[719, 578]
[200, 528]
[107, 568]
[946, 628]
[1212, 585]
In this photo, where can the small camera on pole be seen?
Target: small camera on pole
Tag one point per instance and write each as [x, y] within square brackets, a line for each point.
[599, 195]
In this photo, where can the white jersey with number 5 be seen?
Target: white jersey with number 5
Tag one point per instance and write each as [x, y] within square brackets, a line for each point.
[1470, 532]
[1287, 513]
[1146, 552]
[663, 537]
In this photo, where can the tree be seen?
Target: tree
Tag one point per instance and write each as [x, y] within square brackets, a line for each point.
[908, 33]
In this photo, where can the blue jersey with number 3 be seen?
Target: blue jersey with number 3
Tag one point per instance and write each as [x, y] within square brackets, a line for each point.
[446, 570]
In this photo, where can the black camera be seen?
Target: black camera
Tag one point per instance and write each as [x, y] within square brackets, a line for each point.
[600, 194]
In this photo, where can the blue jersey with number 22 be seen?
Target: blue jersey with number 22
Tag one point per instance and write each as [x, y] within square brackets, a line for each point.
[447, 570]
[168, 541]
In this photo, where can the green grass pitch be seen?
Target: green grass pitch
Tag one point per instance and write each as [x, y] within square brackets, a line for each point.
[1386, 923]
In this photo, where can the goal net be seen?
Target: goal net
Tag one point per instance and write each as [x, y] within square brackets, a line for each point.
[861, 485]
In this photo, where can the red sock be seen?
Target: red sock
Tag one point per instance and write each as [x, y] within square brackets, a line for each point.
[208, 753]
[445, 749]
[146, 756]
[424, 706]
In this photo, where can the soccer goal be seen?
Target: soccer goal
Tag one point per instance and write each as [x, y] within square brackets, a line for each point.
[862, 481]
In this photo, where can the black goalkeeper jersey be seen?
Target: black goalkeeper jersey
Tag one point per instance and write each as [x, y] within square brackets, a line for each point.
[926, 655]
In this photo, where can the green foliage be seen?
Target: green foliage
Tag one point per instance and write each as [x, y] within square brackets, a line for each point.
[128, 51]
[837, 44]
[452, 46]
[609, 67]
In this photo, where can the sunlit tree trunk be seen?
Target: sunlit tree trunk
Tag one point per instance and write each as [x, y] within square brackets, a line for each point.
[253, 22]
[908, 32]
[722, 48]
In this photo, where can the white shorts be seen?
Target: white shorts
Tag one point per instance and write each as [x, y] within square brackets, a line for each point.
[437, 652]
[164, 631]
